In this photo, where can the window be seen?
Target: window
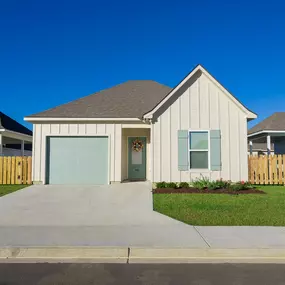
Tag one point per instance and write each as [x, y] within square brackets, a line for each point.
[199, 149]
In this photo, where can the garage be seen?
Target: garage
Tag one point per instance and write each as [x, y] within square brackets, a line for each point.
[77, 160]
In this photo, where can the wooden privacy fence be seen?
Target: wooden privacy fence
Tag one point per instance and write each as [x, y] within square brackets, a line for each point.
[15, 170]
[266, 169]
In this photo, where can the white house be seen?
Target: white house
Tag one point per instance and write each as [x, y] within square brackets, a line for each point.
[269, 132]
[143, 130]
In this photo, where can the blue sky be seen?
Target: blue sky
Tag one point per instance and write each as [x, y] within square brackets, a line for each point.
[52, 52]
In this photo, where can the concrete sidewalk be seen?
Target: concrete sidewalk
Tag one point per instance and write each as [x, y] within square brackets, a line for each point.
[243, 237]
[151, 236]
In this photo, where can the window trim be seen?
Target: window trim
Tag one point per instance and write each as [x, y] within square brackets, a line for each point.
[208, 149]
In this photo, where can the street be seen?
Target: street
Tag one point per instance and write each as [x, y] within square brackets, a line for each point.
[148, 274]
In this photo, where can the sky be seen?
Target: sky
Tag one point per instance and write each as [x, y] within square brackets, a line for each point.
[53, 52]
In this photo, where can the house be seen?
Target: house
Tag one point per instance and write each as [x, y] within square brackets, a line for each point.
[141, 130]
[259, 149]
[271, 130]
[15, 139]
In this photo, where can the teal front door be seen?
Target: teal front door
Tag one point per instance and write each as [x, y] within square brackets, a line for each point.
[137, 158]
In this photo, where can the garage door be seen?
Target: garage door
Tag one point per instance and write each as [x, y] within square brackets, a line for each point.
[77, 160]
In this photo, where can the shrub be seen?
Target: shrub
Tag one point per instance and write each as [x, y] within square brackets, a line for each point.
[205, 183]
[222, 184]
[183, 185]
[201, 183]
[241, 185]
[236, 187]
[213, 185]
[161, 184]
[171, 185]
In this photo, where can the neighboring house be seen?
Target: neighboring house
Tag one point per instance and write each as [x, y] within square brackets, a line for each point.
[271, 130]
[15, 139]
[141, 130]
[259, 149]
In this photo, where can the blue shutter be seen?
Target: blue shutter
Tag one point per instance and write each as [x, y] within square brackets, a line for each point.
[215, 147]
[183, 150]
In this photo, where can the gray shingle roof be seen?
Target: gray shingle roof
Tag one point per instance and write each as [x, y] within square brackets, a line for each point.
[10, 124]
[275, 122]
[131, 99]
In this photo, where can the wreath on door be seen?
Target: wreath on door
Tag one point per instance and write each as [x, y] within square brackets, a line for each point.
[137, 145]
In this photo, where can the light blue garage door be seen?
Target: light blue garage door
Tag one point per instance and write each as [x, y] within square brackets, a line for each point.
[77, 160]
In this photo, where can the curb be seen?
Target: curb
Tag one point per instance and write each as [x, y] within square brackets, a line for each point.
[200, 255]
[113, 253]
[140, 254]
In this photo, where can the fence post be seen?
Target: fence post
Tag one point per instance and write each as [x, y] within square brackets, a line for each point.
[29, 170]
[1, 169]
[283, 170]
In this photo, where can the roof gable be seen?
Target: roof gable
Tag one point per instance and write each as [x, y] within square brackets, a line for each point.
[199, 68]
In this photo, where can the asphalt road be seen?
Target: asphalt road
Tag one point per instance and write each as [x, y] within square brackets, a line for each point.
[147, 274]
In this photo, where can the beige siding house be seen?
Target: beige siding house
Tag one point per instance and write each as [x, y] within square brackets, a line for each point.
[142, 130]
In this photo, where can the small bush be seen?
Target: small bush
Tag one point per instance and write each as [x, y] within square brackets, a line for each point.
[213, 185]
[205, 183]
[201, 183]
[161, 184]
[223, 184]
[171, 185]
[183, 185]
[241, 185]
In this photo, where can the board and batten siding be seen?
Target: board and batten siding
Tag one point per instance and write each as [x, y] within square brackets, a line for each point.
[42, 130]
[202, 106]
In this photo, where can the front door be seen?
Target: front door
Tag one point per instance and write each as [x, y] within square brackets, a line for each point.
[137, 158]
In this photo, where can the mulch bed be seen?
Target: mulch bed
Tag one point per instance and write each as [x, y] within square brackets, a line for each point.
[205, 191]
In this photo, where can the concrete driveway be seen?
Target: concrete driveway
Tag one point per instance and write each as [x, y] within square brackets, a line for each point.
[113, 215]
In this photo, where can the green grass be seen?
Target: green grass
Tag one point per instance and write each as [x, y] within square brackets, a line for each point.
[225, 210]
[7, 189]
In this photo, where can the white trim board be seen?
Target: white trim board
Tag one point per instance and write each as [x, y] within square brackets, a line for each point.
[250, 115]
[266, 132]
[16, 135]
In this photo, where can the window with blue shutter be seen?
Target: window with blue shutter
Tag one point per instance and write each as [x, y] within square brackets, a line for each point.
[199, 150]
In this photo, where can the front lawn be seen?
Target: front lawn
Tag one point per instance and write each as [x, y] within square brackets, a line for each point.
[225, 210]
[7, 189]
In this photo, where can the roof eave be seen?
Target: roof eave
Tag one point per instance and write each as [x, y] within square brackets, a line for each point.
[251, 116]
[265, 132]
[53, 119]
